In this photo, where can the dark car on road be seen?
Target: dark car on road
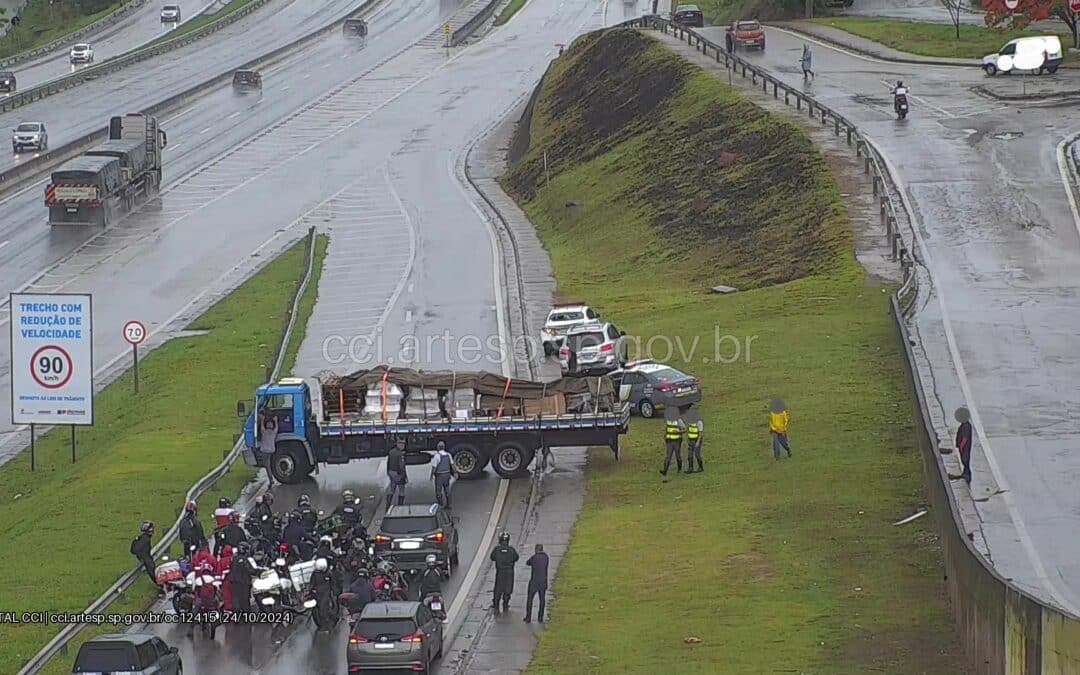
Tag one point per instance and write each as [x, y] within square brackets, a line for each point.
[409, 533]
[689, 15]
[394, 636]
[7, 81]
[649, 386]
[135, 653]
[357, 27]
[247, 80]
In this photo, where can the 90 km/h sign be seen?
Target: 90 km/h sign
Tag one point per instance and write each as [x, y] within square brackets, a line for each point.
[51, 367]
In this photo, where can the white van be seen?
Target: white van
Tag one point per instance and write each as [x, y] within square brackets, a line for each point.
[1037, 54]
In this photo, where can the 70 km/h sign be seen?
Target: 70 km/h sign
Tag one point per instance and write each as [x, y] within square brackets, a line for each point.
[134, 332]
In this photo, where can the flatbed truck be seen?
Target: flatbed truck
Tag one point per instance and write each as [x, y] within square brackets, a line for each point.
[315, 425]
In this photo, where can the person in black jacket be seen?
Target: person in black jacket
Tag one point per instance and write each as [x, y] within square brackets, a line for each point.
[230, 535]
[505, 557]
[349, 509]
[396, 473]
[191, 530]
[964, 438]
[309, 517]
[538, 582]
[241, 572]
[141, 549]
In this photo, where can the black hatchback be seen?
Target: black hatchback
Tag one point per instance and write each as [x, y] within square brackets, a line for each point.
[410, 533]
[7, 81]
[246, 79]
[128, 653]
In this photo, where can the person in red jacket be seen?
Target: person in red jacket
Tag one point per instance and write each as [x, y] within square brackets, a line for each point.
[222, 570]
[203, 556]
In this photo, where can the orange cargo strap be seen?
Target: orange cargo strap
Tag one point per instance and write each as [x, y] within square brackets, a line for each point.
[506, 390]
[341, 408]
[384, 392]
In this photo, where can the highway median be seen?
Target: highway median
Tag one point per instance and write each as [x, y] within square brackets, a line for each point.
[68, 526]
[677, 183]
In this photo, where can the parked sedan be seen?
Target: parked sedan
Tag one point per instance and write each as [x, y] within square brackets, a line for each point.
[649, 386]
[82, 53]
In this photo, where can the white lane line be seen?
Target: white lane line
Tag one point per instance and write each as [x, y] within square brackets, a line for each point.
[969, 398]
[235, 114]
[305, 76]
[408, 315]
[285, 88]
[1063, 168]
[926, 103]
[205, 130]
[480, 559]
[5, 243]
[410, 290]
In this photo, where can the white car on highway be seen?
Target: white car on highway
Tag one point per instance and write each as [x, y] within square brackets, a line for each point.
[562, 318]
[29, 135]
[170, 14]
[82, 53]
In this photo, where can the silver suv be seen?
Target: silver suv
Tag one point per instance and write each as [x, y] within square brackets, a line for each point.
[29, 135]
[170, 14]
[399, 635]
[562, 318]
[592, 348]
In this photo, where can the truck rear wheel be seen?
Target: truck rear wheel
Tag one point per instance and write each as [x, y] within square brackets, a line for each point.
[289, 463]
[469, 460]
[511, 459]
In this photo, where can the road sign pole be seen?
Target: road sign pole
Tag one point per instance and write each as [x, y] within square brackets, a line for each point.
[72, 443]
[135, 365]
[33, 447]
[135, 333]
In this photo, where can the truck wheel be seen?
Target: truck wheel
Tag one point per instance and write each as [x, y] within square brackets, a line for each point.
[511, 459]
[469, 460]
[290, 464]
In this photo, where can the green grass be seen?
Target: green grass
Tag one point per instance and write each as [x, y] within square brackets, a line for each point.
[790, 566]
[930, 39]
[509, 11]
[202, 20]
[719, 12]
[37, 26]
[75, 521]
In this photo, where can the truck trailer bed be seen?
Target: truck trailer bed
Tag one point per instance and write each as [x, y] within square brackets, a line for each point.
[357, 426]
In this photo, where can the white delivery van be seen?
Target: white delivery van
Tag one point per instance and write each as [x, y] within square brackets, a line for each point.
[1037, 54]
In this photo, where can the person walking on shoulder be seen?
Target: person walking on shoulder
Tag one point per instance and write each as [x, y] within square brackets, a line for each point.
[778, 427]
[538, 582]
[806, 62]
[964, 437]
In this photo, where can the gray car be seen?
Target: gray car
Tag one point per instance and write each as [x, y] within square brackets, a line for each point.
[136, 653]
[393, 636]
[649, 386]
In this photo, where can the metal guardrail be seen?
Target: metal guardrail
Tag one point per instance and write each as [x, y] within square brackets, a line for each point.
[44, 161]
[58, 645]
[873, 163]
[21, 98]
[73, 37]
[469, 27]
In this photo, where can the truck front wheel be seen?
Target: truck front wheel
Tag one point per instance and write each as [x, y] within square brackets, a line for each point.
[469, 460]
[511, 459]
[289, 464]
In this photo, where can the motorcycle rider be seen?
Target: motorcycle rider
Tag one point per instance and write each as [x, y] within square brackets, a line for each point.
[431, 580]
[241, 572]
[221, 570]
[325, 549]
[231, 535]
[141, 547]
[294, 533]
[191, 530]
[898, 91]
[322, 583]
[203, 556]
[349, 510]
[504, 556]
[309, 517]
[362, 592]
[207, 597]
[442, 470]
[222, 512]
[262, 514]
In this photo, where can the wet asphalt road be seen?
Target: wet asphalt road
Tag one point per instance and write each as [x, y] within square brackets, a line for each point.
[983, 180]
[86, 108]
[138, 28]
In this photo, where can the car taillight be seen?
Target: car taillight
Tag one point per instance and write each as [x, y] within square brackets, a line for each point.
[665, 387]
[415, 638]
[607, 347]
[438, 537]
[564, 351]
[357, 639]
[382, 539]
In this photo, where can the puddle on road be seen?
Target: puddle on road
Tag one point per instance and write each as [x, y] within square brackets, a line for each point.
[872, 100]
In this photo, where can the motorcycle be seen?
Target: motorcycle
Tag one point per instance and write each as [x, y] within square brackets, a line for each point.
[172, 575]
[434, 602]
[327, 610]
[900, 103]
[207, 610]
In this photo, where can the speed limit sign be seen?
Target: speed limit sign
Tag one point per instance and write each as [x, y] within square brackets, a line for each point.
[1074, 5]
[51, 366]
[134, 332]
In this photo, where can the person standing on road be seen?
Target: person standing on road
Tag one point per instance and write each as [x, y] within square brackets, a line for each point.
[241, 572]
[806, 62]
[538, 582]
[964, 437]
[442, 470]
[267, 445]
[674, 428]
[694, 431]
[778, 427]
[505, 557]
[191, 530]
[395, 471]
[141, 547]
[221, 570]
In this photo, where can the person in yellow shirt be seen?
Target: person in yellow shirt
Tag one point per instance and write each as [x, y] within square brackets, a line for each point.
[778, 427]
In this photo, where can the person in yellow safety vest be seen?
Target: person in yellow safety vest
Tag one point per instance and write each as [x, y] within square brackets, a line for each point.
[694, 431]
[778, 427]
[674, 428]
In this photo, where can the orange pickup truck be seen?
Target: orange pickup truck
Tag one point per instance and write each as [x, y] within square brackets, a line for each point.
[745, 34]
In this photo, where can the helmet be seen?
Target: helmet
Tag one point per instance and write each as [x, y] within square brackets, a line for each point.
[440, 445]
[269, 498]
[320, 565]
[303, 501]
[224, 503]
[504, 538]
[259, 501]
[431, 560]
[326, 539]
[234, 517]
[363, 572]
[348, 496]
[899, 83]
[147, 527]
[294, 517]
[190, 507]
[243, 549]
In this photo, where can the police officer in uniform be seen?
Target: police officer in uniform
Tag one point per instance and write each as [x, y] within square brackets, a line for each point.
[309, 517]
[230, 535]
[141, 547]
[442, 470]
[694, 430]
[673, 433]
[349, 510]
[505, 557]
[191, 530]
[241, 572]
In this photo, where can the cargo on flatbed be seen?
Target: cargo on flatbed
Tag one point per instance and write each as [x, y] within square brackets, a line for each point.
[481, 417]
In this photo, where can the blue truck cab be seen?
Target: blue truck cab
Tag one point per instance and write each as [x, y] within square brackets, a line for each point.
[288, 402]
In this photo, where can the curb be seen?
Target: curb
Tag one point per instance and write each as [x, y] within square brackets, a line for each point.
[1052, 96]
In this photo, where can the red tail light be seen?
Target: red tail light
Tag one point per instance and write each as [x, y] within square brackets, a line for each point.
[564, 351]
[415, 638]
[357, 639]
[382, 539]
[438, 537]
[607, 347]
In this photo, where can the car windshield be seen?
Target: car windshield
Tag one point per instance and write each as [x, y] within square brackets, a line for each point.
[408, 525]
[105, 657]
[566, 316]
[171, 8]
[687, 8]
[7, 75]
[580, 340]
[28, 126]
[665, 375]
[749, 25]
[81, 48]
[373, 629]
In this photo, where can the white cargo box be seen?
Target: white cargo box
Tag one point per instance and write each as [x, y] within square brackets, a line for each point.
[301, 574]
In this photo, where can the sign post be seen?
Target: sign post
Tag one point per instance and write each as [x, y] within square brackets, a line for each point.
[446, 32]
[135, 334]
[52, 361]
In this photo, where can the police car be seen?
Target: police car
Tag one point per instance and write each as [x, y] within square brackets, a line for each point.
[650, 386]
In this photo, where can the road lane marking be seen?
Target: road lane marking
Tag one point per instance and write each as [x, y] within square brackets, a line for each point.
[1063, 168]
[5, 243]
[235, 114]
[205, 130]
[408, 315]
[921, 100]
[969, 398]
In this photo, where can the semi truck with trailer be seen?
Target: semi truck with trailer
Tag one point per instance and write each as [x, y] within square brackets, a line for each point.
[108, 180]
[483, 419]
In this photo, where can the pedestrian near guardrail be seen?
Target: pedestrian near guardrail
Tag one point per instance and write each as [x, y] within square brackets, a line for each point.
[141, 547]
[806, 62]
[964, 437]
[779, 420]
[695, 429]
[267, 445]
[674, 428]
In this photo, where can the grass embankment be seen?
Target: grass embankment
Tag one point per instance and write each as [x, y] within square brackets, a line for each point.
[930, 39]
[510, 10]
[665, 182]
[40, 24]
[720, 12]
[202, 20]
[67, 527]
